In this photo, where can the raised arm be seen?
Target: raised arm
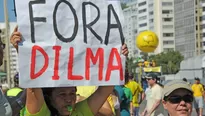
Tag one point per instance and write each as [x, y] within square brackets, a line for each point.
[34, 100]
[102, 93]
[15, 38]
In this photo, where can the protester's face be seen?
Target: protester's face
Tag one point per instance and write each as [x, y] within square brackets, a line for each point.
[62, 98]
[197, 81]
[151, 81]
[177, 107]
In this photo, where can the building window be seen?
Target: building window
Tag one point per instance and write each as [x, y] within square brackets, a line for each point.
[203, 43]
[150, 5]
[167, 26]
[142, 18]
[167, 19]
[151, 13]
[203, 8]
[142, 3]
[13, 64]
[143, 25]
[166, 3]
[151, 20]
[168, 42]
[168, 34]
[166, 11]
[143, 10]
[168, 49]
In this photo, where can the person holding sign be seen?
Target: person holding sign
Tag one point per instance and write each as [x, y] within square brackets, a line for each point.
[62, 101]
[69, 43]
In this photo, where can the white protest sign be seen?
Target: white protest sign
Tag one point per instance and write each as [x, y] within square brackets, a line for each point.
[70, 43]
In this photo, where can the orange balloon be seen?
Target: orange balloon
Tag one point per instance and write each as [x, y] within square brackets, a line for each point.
[147, 41]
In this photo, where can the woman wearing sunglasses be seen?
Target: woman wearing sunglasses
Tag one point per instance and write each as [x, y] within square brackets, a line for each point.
[178, 98]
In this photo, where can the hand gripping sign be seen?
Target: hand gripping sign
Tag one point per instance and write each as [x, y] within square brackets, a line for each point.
[70, 43]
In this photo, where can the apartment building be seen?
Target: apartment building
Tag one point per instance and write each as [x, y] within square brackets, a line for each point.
[12, 55]
[189, 27]
[156, 16]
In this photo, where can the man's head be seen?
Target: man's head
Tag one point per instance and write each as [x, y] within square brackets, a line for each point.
[177, 98]
[184, 79]
[151, 79]
[197, 80]
[130, 76]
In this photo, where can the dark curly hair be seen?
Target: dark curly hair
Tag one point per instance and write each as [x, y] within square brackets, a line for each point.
[47, 92]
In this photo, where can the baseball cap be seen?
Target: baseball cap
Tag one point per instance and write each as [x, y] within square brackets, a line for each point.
[151, 76]
[174, 85]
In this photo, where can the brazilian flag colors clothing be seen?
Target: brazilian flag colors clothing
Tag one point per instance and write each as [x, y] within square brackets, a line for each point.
[81, 109]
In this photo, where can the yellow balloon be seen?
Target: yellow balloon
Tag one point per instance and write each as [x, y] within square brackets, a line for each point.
[147, 41]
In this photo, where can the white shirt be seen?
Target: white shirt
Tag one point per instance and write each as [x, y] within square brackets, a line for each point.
[152, 95]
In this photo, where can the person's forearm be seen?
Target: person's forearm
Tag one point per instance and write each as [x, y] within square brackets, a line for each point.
[100, 95]
[106, 112]
[106, 109]
[145, 110]
[34, 100]
[154, 107]
[142, 96]
[131, 108]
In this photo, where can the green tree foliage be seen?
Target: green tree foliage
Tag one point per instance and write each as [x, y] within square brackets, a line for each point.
[169, 61]
[130, 64]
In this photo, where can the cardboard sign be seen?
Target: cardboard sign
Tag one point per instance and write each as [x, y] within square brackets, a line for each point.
[70, 43]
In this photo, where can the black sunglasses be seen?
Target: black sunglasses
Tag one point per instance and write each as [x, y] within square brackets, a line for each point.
[178, 99]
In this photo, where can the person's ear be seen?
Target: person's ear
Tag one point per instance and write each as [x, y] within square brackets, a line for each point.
[164, 104]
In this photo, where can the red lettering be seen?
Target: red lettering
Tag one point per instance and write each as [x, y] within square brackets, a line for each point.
[98, 57]
[113, 53]
[70, 67]
[56, 64]
[34, 75]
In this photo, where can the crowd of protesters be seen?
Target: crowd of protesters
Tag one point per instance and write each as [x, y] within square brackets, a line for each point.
[176, 97]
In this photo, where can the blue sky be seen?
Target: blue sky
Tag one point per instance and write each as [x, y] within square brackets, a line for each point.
[10, 4]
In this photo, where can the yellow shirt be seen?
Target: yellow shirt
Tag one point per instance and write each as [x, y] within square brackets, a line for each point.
[136, 89]
[110, 101]
[198, 90]
[85, 91]
[81, 109]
